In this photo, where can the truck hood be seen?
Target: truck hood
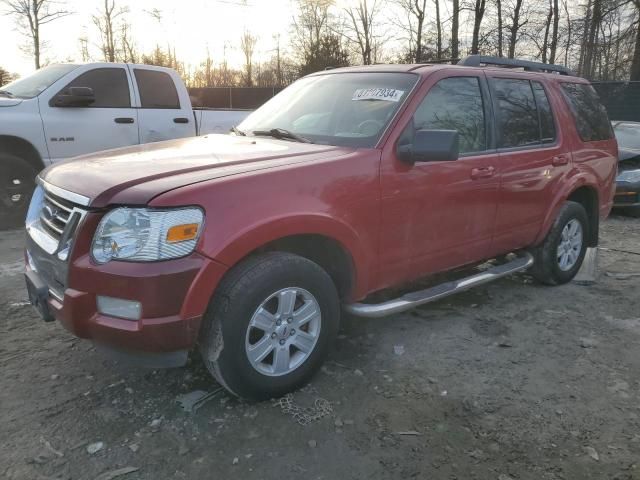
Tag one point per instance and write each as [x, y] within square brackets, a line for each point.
[134, 175]
[9, 102]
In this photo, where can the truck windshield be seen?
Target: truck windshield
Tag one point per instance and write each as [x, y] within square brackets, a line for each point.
[36, 83]
[343, 109]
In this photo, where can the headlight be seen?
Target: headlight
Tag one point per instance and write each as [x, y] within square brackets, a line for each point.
[629, 176]
[145, 235]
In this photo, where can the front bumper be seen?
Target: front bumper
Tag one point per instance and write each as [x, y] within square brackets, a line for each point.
[173, 294]
[627, 194]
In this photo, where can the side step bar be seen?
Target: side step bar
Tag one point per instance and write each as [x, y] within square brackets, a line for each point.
[415, 299]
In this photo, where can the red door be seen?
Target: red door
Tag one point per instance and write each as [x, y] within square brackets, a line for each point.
[439, 215]
[534, 157]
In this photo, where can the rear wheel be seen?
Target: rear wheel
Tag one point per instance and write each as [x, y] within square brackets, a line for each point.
[270, 325]
[17, 181]
[559, 257]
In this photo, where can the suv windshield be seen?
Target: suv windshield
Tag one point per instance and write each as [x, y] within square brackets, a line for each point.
[343, 109]
[38, 82]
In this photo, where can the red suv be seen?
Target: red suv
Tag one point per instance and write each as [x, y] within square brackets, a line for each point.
[350, 181]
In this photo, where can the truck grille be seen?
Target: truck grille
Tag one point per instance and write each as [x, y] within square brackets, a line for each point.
[55, 214]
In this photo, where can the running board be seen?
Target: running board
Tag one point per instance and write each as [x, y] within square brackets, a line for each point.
[415, 299]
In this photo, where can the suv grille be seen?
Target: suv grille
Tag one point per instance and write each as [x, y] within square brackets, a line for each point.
[55, 214]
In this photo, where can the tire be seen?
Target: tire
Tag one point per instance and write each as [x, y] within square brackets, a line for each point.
[227, 337]
[548, 265]
[17, 181]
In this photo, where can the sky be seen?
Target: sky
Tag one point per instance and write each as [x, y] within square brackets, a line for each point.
[189, 25]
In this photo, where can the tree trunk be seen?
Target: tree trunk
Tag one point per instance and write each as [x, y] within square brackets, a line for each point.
[515, 26]
[554, 33]
[438, 30]
[420, 17]
[591, 43]
[36, 48]
[583, 43]
[455, 19]
[569, 31]
[635, 63]
[547, 27]
[477, 21]
[499, 5]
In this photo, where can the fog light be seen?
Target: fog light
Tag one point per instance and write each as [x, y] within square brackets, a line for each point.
[119, 307]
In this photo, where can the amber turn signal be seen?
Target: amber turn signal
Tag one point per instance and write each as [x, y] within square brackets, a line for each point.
[181, 233]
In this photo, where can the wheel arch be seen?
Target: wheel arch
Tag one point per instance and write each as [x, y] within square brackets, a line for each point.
[586, 195]
[23, 149]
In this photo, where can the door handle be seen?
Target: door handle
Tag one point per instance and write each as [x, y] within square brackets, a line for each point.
[560, 160]
[482, 172]
[181, 120]
[123, 120]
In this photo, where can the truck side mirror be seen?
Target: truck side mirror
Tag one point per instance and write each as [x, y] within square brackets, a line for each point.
[74, 97]
[431, 146]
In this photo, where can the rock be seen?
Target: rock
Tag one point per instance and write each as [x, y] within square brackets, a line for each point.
[236, 460]
[155, 422]
[443, 393]
[588, 342]
[398, 349]
[134, 447]
[94, 447]
[357, 372]
[129, 390]
[312, 443]
[55, 376]
[338, 423]
[592, 453]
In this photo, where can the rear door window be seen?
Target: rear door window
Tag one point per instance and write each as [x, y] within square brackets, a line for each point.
[110, 87]
[157, 89]
[517, 115]
[455, 104]
[591, 117]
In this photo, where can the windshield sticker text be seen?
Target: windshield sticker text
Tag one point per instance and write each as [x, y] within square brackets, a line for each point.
[388, 94]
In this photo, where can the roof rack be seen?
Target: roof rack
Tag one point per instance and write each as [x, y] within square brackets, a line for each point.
[479, 60]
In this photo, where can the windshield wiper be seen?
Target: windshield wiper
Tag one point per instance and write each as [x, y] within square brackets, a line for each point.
[237, 131]
[281, 133]
[7, 93]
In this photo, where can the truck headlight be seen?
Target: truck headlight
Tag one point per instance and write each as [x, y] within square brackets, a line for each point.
[629, 176]
[146, 235]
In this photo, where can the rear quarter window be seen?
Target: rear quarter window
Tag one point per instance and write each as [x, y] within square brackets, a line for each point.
[590, 115]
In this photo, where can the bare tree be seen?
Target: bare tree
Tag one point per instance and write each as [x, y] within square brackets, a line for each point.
[553, 48]
[414, 10]
[32, 15]
[455, 25]
[360, 29]
[479, 8]
[547, 29]
[247, 46]
[500, 27]
[514, 28]
[107, 21]
[635, 62]
[6, 76]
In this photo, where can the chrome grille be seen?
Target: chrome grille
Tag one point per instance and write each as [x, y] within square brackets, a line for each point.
[55, 214]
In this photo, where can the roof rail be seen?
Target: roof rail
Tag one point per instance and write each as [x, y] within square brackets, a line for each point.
[479, 60]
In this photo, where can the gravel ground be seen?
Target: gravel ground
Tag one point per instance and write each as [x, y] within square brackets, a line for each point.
[512, 380]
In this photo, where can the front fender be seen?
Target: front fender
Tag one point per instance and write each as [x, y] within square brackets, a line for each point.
[238, 246]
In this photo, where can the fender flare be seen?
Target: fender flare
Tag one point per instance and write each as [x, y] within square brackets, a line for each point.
[578, 181]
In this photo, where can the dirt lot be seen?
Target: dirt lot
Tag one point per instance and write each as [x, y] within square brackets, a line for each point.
[509, 381]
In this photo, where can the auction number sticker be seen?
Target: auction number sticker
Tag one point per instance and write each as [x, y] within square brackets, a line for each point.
[388, 94]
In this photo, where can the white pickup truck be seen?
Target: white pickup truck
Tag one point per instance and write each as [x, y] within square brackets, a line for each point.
[65, 110]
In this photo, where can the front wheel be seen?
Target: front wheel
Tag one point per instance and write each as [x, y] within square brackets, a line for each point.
[17, 181]
[559, 257]
[270, 325]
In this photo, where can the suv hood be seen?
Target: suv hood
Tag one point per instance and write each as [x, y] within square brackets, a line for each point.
[9, 102]
[135, 175]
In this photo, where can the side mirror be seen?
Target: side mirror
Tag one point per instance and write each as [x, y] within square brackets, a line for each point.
[431, 146]
[74, 97]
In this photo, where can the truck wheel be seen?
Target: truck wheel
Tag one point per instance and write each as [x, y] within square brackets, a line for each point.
[269, 325]
[17, 181]
[559, 257]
